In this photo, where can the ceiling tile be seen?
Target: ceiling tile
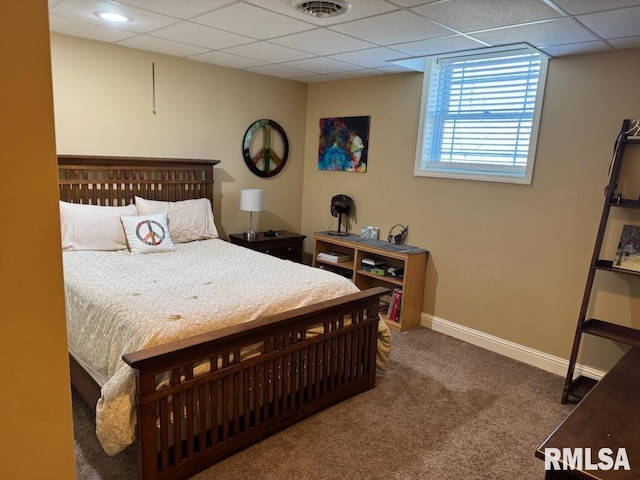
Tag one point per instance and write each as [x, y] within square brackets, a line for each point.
[433, 46]
[180, 9]
[159, 45]
[542, 34]
[77, 28]
[227, 60]
[279, 71]
[372, 57]
[411, 3]
[576, 7]
[395, 27]
[322, 42]
[200, 36]
[473, 15]
[269, 52]
[322, 65]
[141, 20]
[576, 48]
[255, 22]
[373, 37]
[627, 42]
[615, 23]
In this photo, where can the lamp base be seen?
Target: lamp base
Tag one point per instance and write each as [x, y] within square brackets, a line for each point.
[250, 235]
[341, 234]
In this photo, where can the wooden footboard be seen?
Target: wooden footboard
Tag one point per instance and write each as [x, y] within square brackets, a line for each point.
[231, 388]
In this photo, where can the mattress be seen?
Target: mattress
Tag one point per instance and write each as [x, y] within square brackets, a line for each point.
[119, 303]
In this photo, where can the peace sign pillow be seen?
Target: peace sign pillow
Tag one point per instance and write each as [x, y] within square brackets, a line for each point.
[147, 233]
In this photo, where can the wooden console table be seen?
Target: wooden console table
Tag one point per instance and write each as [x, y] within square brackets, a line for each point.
[607, 417]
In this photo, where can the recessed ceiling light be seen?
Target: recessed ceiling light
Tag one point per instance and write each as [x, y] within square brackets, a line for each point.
[322, 9]
[112, 17]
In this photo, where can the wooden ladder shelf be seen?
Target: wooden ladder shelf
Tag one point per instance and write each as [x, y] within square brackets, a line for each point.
[578, 387]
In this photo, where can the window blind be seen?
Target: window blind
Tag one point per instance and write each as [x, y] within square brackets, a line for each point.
[480, 113]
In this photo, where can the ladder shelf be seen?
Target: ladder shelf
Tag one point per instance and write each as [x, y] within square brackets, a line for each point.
[579, 386]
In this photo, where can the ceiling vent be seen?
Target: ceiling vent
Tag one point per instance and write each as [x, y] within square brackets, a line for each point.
[322, 9]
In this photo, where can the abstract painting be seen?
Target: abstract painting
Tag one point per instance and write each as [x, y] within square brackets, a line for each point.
[344, 144]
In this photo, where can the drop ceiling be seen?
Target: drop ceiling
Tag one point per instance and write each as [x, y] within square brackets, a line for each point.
[270, 37]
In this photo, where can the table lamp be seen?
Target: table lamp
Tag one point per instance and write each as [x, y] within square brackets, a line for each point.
[250, 201]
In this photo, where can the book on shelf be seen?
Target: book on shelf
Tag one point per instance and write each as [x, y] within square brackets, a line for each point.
[334, 257]
[372, 261]
[393, 311]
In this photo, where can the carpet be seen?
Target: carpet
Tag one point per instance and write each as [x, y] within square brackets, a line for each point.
[444, 409]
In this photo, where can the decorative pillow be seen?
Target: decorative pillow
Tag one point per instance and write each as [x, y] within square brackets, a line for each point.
[93, 227]
[148, 233]
[189, 220]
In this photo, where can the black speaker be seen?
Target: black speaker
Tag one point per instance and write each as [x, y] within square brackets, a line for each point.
[398, 234]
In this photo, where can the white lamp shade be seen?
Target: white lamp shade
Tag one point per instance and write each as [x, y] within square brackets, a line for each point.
[251, 200]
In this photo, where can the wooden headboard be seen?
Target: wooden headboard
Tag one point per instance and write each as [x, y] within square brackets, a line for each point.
[115, 181]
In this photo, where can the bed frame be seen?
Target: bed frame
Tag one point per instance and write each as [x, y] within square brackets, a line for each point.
[309, 358]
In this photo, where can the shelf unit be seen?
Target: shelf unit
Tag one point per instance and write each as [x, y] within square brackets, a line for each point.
[412, 259]
[578, 387]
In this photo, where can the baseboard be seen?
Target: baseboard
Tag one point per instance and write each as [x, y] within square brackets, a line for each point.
[527, 355]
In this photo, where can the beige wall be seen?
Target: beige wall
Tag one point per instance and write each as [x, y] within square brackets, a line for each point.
[104, 106]
[36, 439]
[507, 260]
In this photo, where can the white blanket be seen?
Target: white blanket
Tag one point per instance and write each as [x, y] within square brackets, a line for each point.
[119, 303]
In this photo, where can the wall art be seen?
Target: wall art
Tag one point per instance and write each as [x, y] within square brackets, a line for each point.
[344, 144]
[628, 252]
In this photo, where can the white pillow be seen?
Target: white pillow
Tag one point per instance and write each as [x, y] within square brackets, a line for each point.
[148, 233]
[93, 227]
[189, 220]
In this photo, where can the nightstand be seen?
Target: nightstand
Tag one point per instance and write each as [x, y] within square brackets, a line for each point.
[286, 245]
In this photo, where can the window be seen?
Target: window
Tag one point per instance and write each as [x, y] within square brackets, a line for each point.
[480, 115]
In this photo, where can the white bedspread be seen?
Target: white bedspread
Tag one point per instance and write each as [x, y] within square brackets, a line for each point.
[119, 303]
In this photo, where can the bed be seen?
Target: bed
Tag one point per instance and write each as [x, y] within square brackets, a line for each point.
[188, 396]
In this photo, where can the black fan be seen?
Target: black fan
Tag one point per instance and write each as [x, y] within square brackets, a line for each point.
[340, 205]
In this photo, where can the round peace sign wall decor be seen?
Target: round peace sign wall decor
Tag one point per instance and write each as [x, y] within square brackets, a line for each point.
[265, 148]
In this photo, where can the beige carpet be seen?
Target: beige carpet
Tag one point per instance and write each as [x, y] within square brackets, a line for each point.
[444, 409]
